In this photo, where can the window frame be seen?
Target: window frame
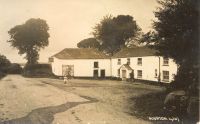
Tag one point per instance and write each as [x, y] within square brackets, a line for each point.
[139, 61]
[51, 59]
[165, 61]
[164, 75]
[118, 61]
[138, 73]
[96, 64]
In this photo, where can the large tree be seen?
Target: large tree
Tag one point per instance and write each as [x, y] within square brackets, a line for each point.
[89, 43]
[113, 32]
[29, 38]
[175, 35]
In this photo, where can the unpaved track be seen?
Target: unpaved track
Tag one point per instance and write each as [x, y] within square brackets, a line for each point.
[113, 106]
[28, 101]
[46, 101]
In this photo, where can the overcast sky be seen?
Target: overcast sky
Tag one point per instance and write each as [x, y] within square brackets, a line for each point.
[70, 21]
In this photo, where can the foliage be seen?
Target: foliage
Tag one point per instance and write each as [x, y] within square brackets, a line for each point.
[88, 43]
[14, 68]
[37, 70]
[29, 38]
[175, 35]
[113, 32]
[4, 64]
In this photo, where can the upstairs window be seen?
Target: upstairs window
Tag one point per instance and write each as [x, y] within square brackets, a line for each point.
[165, 75]
[139, 62]
[96, 64]
[139, 73]
[128, 61]
[119, 61]
[165, 61]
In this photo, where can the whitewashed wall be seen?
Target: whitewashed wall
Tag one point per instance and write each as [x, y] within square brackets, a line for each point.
[85, 67]
[172, 68]
[82, 67]
[149, 64]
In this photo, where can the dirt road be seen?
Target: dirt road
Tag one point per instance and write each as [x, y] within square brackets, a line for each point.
[45, 101]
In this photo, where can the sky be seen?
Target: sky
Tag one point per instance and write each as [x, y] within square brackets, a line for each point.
[70, 21]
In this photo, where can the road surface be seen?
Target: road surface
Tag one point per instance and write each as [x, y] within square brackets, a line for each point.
[46, 101]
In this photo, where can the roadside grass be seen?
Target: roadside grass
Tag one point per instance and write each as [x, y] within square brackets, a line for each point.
[149, 105]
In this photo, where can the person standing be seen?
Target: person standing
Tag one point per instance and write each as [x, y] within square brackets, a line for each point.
[132, 76]
[65, 79]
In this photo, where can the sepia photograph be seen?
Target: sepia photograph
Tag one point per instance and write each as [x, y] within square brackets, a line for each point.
[99, 61]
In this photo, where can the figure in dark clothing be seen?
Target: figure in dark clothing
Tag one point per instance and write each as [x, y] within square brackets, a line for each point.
[132, 76]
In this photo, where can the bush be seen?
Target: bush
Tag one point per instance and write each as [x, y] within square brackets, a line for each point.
[38, 70]
[2, 74]
[4, 64]
[14, 69]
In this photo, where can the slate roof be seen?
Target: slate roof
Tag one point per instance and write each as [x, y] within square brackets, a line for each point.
[135, 52]
[80, 53]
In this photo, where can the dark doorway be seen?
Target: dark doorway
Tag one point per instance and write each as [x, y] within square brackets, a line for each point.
[102, 73]
[95, 73]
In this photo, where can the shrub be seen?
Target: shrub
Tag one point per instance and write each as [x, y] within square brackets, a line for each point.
[2, 74]
[4, 64]
[38, 70]
[14, 68]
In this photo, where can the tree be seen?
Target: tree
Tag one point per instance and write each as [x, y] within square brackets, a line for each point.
[175, 35]
[113, 32]
[29, 38]
[88, 43]
[4, 63]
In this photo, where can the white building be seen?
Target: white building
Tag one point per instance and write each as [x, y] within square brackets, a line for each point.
[81, 63]
[142, 63]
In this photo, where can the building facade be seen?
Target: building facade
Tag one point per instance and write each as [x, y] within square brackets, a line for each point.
[81, 63]
[143, 64]
[138, 63]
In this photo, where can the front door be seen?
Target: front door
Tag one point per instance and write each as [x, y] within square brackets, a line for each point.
[123, 73]
[102, 73]
[68, 70]
[95, 73]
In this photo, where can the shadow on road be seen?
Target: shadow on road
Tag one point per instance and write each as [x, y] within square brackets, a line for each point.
[46, 115]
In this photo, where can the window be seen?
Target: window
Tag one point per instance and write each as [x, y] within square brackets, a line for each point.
[156, 73]
[128, 61]
[119, 61]
[165, 61]
[166, 75]
[139, 73]
[118, 72]
[51, 59]
[139, 61]
[96, 64]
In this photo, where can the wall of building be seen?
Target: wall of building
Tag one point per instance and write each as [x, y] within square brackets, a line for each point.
[171, 67]
[149, 66]
[82, 67]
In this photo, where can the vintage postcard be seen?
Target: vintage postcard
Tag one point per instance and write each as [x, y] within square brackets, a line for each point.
[99, 62]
